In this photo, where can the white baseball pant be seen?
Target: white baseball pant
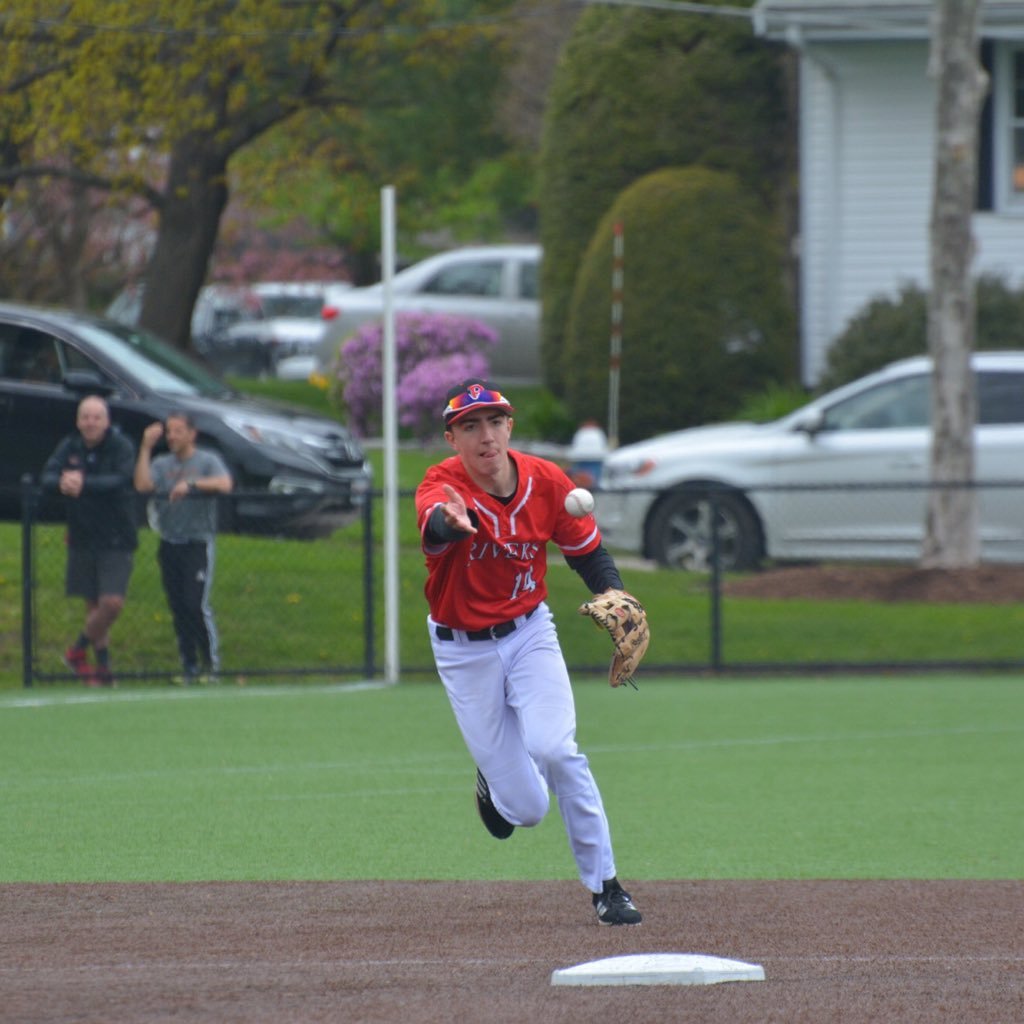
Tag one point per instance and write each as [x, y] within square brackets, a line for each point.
[514, 706]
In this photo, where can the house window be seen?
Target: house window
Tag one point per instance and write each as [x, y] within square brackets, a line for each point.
[1017, 126]
[1008, 129]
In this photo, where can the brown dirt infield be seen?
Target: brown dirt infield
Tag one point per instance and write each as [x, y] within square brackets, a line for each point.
[986, 584]
[898, 952]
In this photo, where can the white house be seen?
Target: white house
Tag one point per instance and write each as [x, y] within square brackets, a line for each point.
[867, 131]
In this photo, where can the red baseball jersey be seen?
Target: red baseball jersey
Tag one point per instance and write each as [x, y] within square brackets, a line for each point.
[498, 573]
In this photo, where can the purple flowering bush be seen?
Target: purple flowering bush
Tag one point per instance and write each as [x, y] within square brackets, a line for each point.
[432, 352]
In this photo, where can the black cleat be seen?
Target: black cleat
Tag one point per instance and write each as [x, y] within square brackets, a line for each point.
[493, 821]
[615, 905]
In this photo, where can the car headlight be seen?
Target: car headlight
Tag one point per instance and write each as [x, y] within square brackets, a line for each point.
[291, 486]
[277, 434]
[613, 473]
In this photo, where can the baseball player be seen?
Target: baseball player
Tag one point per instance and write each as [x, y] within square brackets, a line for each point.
[485, 516]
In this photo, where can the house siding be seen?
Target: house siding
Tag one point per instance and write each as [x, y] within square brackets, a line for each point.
[867, 164]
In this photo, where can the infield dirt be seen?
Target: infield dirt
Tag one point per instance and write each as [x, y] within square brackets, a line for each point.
[898, 952]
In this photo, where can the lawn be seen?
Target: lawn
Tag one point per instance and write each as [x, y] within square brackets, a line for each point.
[288, 607]
[285, 607]
[840, 778]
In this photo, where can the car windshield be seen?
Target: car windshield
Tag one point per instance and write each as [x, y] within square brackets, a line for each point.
[155, 364]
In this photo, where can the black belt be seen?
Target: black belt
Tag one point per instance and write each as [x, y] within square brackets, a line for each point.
[491, 633]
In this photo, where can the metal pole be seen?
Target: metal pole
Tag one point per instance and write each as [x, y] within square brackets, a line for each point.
[391, 666]
[615, 353]
[716, 586]
[27, 515]
[369, 652]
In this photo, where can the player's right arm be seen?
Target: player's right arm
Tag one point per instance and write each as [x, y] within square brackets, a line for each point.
[443, 514]
[456, 517]
[450, 520]
[142, 477]
[55, 465]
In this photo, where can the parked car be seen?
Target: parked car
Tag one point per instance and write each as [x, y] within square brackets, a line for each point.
[218, 327]
[296, 474]
[496, 284]
[289, 329]
[873, 434]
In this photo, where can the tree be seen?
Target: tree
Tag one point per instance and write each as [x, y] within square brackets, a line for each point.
[951, 534]
[431, 131]
[156, 100]
[707, 321]
[638, 90]
[315, 56]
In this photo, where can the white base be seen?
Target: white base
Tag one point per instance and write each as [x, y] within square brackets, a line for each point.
[658, 969]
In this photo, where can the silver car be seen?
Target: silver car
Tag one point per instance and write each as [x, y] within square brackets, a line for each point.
[289, 330]
[496, 284]
[828, 481]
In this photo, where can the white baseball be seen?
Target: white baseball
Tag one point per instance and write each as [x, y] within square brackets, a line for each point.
[579, 502]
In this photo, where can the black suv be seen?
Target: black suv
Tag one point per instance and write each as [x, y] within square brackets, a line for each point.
[296, 474]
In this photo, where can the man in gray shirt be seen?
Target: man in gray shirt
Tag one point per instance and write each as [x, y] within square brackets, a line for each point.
[185, 482]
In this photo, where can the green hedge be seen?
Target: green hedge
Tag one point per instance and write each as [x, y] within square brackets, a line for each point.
[887, 329]
[639, 90]
[706, 317]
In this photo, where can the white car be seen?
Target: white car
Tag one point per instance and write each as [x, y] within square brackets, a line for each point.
[496, 284]
[289, 331]
[844, 477]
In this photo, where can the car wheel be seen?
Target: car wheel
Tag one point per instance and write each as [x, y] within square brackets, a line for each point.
[679, 532]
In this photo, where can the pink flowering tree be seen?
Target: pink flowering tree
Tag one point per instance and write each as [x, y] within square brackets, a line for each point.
[432, 352]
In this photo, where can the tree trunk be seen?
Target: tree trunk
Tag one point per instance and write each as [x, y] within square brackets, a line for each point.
[69, 240]
[951, 532]
[193, 201]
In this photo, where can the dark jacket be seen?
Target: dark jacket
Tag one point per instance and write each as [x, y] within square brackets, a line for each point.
[103, 516]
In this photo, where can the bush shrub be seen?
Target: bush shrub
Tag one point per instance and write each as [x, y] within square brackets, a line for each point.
[432, 352]
[639, 90]
[772, 403]
[706, 318]
[889, 329]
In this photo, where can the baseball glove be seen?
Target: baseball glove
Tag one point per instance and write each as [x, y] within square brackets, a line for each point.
[623, 616]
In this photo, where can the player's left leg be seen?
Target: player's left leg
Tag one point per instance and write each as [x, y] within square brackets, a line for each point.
[541, 694]
[540, 688]
[203, 624]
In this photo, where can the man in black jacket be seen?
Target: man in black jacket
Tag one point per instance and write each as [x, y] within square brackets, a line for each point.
[93, 469]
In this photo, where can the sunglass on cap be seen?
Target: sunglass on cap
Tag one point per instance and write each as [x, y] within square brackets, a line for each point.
[476, 396]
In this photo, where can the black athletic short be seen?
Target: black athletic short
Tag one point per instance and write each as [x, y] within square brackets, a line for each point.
[92, 574]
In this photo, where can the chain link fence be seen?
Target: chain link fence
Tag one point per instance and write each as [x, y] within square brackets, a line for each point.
[282, 607]
[314, 608]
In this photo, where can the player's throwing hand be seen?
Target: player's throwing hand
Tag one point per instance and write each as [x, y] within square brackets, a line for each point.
[455, 514]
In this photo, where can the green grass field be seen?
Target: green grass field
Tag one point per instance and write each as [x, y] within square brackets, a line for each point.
[299, 604]
[284, 604]
[873, 777]
[819, 778]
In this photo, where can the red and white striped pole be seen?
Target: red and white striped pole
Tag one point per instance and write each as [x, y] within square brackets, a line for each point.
[615, 356]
